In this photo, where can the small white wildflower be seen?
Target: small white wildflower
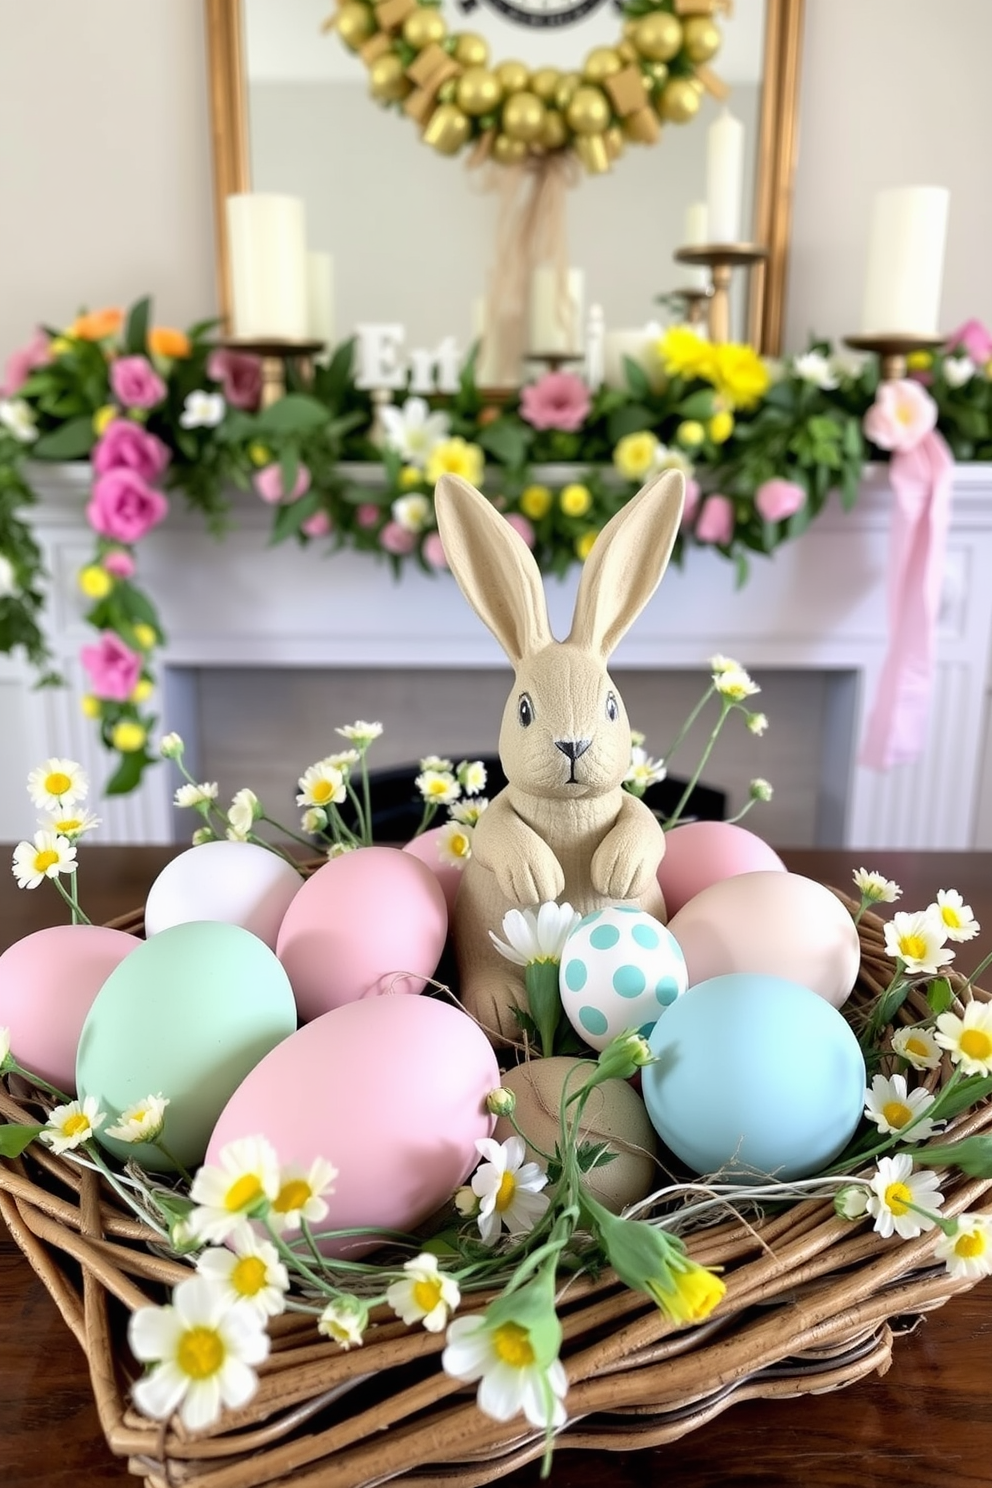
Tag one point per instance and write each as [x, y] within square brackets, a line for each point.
[413, 512]
[245, 1182]
[968, 1252]
[8, 577]
[344, 760]
[195, 795]
[435, 762]
[47, 857]
[313, 820]
[508, 1188]
[413, 430]
[344, 1320]
[876, 889]
[202, 835]
[56, 784]
[760, 790]
[893, 1108]
[815, 368]
[643, 770]
[757, 723]
[467, 1202]
[536, 934]
[918, 1047]
[243, 812]
[851, 1202]
[507, 1360]
[17, 416]
[338, 850]
[142, 1122]
[959, 370]
[321, 785]
[897, 1193]
[202, 410]
[300, 1195]
[720, 663]
[250, 1271]
[918, 940]
[171, 746]
[957, 917]
[361, 733]
[735, 684]
[424, 1295]
[468, 812]
[72, 1124]
[968, 1040]
[71, 825]
[454, 844]
[471, 776]
[438, 786]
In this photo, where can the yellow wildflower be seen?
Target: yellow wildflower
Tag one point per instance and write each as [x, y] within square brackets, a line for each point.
[693, 1294]
[919, 361]
[145, 635]
[90, 705]
[535, 502]
[455, 457]
[128, 736]
[59, 344]
[103, 417]
[683, 353]
[583, 544]
[739, 375]
[720, 426]
[258, 453]
[635, 454]
[575, 500]
[143, 689]
[410, 476]
[690, 433]
[95, 582]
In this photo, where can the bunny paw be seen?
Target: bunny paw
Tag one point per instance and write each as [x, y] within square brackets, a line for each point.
[525, 882]
[619, 873]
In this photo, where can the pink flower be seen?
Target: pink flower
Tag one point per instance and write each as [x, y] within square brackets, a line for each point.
[397, 539]
[520, 524]
[21, 363]
[319, 525]
[973, 339]
[113, 667]
[368, 515]
[268, 484]
[902, 414]
[122, 507]
[126, 445]
[716, 521]
[778, 499]
[119, 563]
[691, 503]
[136, 383]
[433, 550]
[559, 400]
[240, 376]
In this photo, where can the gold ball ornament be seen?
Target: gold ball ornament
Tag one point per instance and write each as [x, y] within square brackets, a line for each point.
[424, 27]
[679, 102]
[602, 62]
[523, 117]
[478, 91]
[589, 111]
[614, 142]
[554, 131]
[355, 24]
[627, 52]
[544, 82]
[509, 151]
[658, 37]
[388, 79]
[702, 38]
[591, 150]
[447, 129]
[566, 89]
[471, 50]
[514, 77]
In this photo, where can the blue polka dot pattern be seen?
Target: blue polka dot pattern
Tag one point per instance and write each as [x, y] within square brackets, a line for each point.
[666, 991]
[646, 1030]
[627, 909]
[629, 981]
[646, 936]
[592, 1020]
[590, 918]
[575, 975]
[604, 937]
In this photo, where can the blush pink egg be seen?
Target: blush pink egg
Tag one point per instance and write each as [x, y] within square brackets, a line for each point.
[701, 853]
[237, 883]
[391, 1090]
[448, 876]
[369, 922]
[48, 983]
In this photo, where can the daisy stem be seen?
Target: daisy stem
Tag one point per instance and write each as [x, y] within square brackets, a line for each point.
[288, 832]
[293, 1259]
[751, 801]
[928, 1113]
[184, 1175]
[977, 973]
[70, 899]
[865, 901]
[367, 794]
[311, 1242]
[693, 781]
[363, 830]
[18, 1069]
[687, 725]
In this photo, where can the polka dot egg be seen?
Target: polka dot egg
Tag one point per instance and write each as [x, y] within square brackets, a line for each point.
[620, 969]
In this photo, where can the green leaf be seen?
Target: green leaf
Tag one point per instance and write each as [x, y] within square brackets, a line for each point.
[507, 441]
[14, 1139]
[697, 405]
[637, 379]
[967, 1094]
[74, 440]
[128, 773]
[294, 414]
[633, 419]
[289, 468]
[591, 1155]
[972, 1155]
[939, 996]
[136, 330]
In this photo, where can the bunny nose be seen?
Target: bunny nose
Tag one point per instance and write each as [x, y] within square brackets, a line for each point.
[572, 748]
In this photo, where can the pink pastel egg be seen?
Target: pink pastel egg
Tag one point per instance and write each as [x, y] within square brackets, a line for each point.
[391, 1091]
[48, 983]
[701, 853]
[369, 922]
[448, 876]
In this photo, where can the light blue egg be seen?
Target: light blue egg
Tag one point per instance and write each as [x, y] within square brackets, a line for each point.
[754, 1074]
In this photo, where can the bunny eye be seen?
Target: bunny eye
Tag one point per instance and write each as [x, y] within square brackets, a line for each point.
[612, 707]
[525, 711]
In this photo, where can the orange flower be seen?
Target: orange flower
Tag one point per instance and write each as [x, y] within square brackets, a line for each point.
[164, 341]
[97, 325]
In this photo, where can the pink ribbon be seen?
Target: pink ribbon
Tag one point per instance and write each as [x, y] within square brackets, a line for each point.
[921, 484]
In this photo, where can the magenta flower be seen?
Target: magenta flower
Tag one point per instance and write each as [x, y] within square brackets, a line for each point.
[716, 521]
[268, 484]
[123, 507]
[240, 376]
[973, 339]
[433, 550]
[368, 515]
[778, 499]
[559, 400]
[397, 539]
[520, 525]
[690, 506]
[136, 383]
[113, 667]
[119, 563]
[21, 363]
[902, 414]
[126, 445]
[319, 525]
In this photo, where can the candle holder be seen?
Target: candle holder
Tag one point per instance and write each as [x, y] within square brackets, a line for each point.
[553, 361]
[276, 356]
[721, 259]
[695, 303]
[892, 349]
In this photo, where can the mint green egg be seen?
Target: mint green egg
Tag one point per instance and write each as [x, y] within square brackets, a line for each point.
[197, 1007]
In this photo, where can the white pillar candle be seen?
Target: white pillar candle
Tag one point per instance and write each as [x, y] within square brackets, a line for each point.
[724, 178]
[639, 346]
[320, 298]
[556, 322]
[695, 235]
[905, 261]
[267, 244]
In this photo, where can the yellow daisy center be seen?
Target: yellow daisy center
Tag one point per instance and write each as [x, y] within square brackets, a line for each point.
[75, 1124]
[248, 1276]
[504, 1194]
[897, 1113]
[322, 791]
[971, 1244]
[292, 1195]
[917, 1046]
[437, 787]
[950, 917]
[68, 824]
[976, 1043]
[200, 1353]
[57, 783]
[427, 1294]
[512, 1345]
[459, 844]
[243, 1192]
[898, 1198]
[44, 860]
[912, 947]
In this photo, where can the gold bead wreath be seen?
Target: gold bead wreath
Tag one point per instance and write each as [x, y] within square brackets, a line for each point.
[445, 82]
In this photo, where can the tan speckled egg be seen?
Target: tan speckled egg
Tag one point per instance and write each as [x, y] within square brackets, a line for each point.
[614, 1113]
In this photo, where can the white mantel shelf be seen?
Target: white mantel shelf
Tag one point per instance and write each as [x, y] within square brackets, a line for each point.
[818, 603]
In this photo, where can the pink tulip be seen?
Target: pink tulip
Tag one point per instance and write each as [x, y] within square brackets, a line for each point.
[778, 499]
[24, 361]
[126, 445]
[113, 667]
[691, 503]
[136, 383]
[902, 414]
[558, 400]
[973, 339]
[368, 515]
[268, 484]
[319, 525]
[716, 521]
[240, 376]
[397, 539]
[433, 550]
[119, 563]
[123, 508]
[520, 525]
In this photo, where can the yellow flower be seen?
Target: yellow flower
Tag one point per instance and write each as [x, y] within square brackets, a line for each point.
[535, 501]
[90, 705]
[164, 341]
[919, 361]
[455, 457]
[103, 417]
[95, 582]
[635, 454]
[258, 453]
[583, 544]
[410, 476]
[575, 500]
[685, 354]
[143, 689]
[694, 1294]
[690, 433]
[128, 736]
[739, 376]
[59, 344]
[145, 635]
[720, 427]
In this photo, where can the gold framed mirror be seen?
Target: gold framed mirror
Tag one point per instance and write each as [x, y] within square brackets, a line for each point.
[775, 158]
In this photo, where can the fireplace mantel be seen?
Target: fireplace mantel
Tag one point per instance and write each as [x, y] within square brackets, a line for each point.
[819, 603]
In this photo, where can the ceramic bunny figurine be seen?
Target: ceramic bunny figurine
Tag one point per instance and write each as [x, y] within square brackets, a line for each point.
[563, 828]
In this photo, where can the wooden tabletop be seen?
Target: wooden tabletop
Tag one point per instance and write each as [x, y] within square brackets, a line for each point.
[928, 1421]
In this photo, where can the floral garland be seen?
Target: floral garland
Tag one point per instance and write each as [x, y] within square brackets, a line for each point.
[156, 410]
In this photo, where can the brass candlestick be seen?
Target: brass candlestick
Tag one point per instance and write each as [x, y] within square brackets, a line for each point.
[892, 349]
[554, 360]
[276, 355]
[695, 303]
[721, 259]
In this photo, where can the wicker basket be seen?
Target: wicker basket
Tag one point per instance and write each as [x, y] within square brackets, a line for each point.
[808, 1308]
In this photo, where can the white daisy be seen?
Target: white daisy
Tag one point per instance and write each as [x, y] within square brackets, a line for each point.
[361, 733]
[468, 812]
[424, 1294]
[719, 664]
[815, 368]
[247, 1270]
[959, 370]
[536, 934]
[852, 1202]
[71, 824]
[142, 1122]
[511, 1378]
[897, 1193]
[202, 410]
[313, 820]
[344, 1320]
[413, 512]
[195, 795]
[56, 784]
[321, 785]
[454, 844]
[202, 1347]
[301, 1194]
[918, 1047]
[968, 1252]
[47, 857]
[438, 787]
[918, 940]
[968, 1039]
[246, 1182]
[72, 1124]
[643, 771]
[202, 835]
[757, 723]
[413, 431]
[243, 812]
[735, 684]
[344, 761]
[171, 746]
[471, 776]
[17, 416]
[508, 1187]
[338, 849]
[893, 1108]
[873, 887]
[957, 917]
[435, 762]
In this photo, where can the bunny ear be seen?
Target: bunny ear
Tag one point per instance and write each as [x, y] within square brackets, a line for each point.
[494, 567]
[626, 563]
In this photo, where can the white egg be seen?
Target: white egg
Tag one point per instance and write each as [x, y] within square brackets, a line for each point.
[238, 883]
[620, 969]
